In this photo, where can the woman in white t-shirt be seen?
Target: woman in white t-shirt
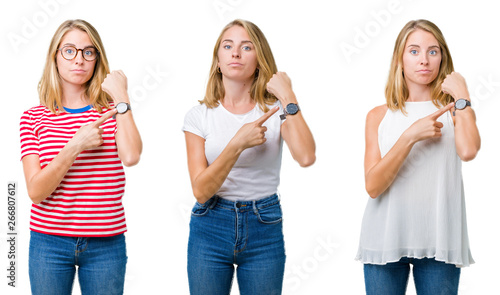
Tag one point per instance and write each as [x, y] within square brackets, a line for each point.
[234, 146]
[415, 145]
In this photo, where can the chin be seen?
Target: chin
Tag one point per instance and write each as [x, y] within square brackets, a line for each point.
[239, 78]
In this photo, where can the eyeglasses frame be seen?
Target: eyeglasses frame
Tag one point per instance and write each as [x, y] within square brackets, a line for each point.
[82, 50]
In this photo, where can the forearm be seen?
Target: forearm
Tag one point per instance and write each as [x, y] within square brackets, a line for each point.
[379, 177]
[299, 139]
[128, 139]
[210, 180]
[467, 139]
[294, 130]
[41, 183]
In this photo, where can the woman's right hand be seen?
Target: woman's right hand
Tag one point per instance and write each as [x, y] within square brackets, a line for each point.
[427, 127]
[42, 182]
[253, 134]
[206, 179]
[90, 135]
[380, 171]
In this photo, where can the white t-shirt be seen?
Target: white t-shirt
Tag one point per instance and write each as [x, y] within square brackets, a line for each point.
[256, 173]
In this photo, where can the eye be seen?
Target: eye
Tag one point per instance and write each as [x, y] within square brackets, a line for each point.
[89, 52]
[247, 48]
[227, 47]
[69, 50]
[413, 51]
[433, 52]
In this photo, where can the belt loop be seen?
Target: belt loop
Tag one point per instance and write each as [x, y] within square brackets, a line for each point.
[214, 201]
[254, 206]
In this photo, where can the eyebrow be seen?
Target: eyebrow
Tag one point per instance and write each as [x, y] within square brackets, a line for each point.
[244, 41]
[415, 45]
[71, 44]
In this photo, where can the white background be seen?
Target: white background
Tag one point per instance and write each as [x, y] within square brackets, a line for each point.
[165, 49]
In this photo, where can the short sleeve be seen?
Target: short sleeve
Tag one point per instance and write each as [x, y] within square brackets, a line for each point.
[29, 141]
[280, 111]
[193, 121]
[112, 119]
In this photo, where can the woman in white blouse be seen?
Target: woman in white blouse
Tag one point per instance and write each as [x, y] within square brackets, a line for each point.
[415, 144]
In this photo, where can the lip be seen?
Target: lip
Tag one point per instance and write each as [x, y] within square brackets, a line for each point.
[78, 71]
[424, 71]
[235, 64]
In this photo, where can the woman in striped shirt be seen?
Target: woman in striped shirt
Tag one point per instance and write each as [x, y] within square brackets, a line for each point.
[72, 148]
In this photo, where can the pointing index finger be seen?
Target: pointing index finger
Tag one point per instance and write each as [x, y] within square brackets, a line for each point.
[104, 117]
[441, 111]
[266, 116]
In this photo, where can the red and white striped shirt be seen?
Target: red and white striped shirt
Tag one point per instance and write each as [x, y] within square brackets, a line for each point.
[88, 201]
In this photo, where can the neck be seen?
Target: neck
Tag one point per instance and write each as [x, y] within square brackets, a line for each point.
[418, 92]
[237, 95]
[73, 96]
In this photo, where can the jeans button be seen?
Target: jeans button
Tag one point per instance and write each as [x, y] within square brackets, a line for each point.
[238, 205]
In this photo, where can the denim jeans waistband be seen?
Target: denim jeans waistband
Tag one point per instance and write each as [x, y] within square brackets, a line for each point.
[242, 205]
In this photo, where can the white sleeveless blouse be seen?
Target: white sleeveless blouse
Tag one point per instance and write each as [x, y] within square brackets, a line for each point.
[422, 213]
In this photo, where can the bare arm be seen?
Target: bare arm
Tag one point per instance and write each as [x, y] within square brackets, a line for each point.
[381, 172]
[294, 130]
[206, 180]
[42, 182]
[128, 139]
[467, 139]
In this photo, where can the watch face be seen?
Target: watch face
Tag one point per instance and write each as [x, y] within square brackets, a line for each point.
[292, 108]
[121, 107]
[461, 104]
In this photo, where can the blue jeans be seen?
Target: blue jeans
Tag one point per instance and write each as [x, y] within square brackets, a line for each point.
[246, 234]
[53, 259]
[431, 277]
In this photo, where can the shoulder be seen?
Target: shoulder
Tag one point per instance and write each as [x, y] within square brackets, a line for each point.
[198, 110]
[197, 114]
[35, 112]
[37, 109]
[376, 114]
[195, 119]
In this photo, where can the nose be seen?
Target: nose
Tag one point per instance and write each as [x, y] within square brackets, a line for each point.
[79, 57]
[236, 52]
[424, 59]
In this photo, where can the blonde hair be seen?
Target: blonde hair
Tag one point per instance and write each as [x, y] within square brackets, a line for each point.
[396, 90]
[49, 87]
[266, 68]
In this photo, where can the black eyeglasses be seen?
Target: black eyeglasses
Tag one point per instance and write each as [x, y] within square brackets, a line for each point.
[70, 52]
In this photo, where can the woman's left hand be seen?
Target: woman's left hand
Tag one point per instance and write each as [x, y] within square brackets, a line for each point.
[280, 86]
[128, 139]
[294, 130]
[454, 85]
[467, 139]
[116, 86]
